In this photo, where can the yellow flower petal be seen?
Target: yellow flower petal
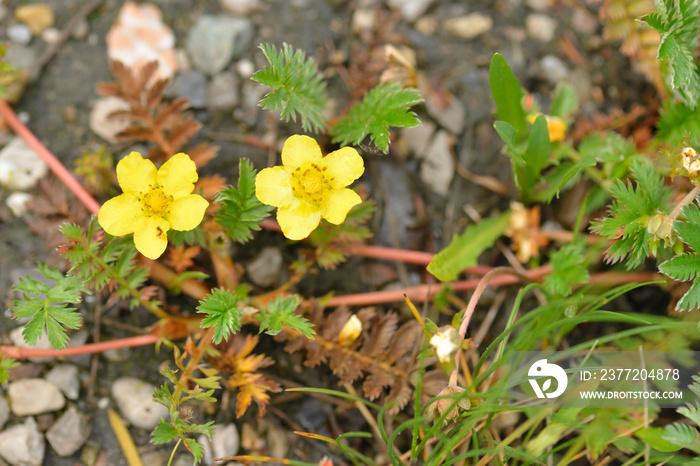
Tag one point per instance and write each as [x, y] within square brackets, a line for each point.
[345, 166]
[298, 149]
[272, 188]
[151, 236]
[135, 174]
[187, 212]
[337, 203]
[119, 215]
[178, 175]
[298, 223]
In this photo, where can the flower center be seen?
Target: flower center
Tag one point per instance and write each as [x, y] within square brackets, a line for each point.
[310, 181]
[155, 201]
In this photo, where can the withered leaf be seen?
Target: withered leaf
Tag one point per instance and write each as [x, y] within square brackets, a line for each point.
[374, 384]
[380, 335]
[201, 154]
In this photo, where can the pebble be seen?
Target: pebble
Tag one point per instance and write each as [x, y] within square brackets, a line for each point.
[69, 432]
[222, 92]
[469, 26]
[19, 33]
[38, 16]
[540, 27]
[134, 398]
[240, 7]
[554, 69]
[214, 40]
[23, 444]
[418, 137]
[20, 166]
[20, 55]
[451, 116]
[17, 202]
[100, 123]
[191, 85]
[245, 68]
[4, 411]
[437, 169]
[224, 442]
[65, 377]
[81, 29]
[411, 10]
[34, 396]
[51, 35]
[42, 343]
[264, 269]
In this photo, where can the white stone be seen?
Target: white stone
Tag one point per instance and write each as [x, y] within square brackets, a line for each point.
[418, 137]
[17, 202]
[42, 343]
[245, 68]
[240, 7]
[554, 69]
[32, 396]
[540, 27]
[437, 169]
[19, 33]
[51, 35]
[224, 442]
[264, 269]
[469, 26]
[134, 398]
[23, 444]
[65, 377]
[4, 411]
[214, 40]
[411, 10]
[20, 166]
[69, 432]
[100, 122]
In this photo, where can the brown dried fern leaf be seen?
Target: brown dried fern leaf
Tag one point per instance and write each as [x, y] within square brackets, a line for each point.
[383, 357]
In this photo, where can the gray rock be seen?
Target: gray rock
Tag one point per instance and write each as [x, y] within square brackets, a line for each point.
[554, 69]
[21, 56]
[191, 85]
[469, 26]
[4, 411]
[437, 170]
[20, 166]
[23, 444]
[451, 117]
[540, 27]
[411, 10]
[81, 29]
[65, 377]
[20, 34]
[69, 433]
[224, 442]
[222, 92]
[264, 269]
[34, 396]
[134, 398]
[241, 7]
[42, 343]
[214, 40]
[418, 137]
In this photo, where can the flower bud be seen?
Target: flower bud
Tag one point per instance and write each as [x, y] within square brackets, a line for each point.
[660, 226]
[448, 405]
[691, 161]
[350, 331]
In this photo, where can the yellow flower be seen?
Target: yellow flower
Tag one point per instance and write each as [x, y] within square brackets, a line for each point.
[154, 201]
[308, 186]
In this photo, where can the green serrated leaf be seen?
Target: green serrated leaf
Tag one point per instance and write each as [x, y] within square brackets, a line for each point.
[507, 93]
[653, 436]
[464, 249]
[32, 286]
[691, 299]
[682, 435]
[383, 106]
[280, 312]
[221, 307]
[164, 432]
[682, 267]
[688, 230]
[569, 268]
[195, 448]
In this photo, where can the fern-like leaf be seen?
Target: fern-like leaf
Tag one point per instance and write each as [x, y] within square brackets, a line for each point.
[221, 307]
[240, 212]
[385, 105]
[298, 86]
[683, 435]
[568, 269]
[682, 267]
[279, 313]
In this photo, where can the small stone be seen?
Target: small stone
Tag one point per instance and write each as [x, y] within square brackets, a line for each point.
[469, 26]
[81, 29]
[240, 7]
[4, 411]
[264, 269]
[102, 124]
[225, 441]
[38, 16]
[69, 432]
[17, 202]
[437, 169]
[540, 5]
[51, 35]
[411, 10]
[20, 55]
[222, 92]
[134, 398]
[450, 115]
[554, 69]
[34, 396]
[19, 33]
[540, 27]
[154, 458]
[23, 444]
[65, 377]
[20, 166]
[192, 85]
[427, 25]
[42, 343]
[245, 68]
[418, 137]
[214, 40]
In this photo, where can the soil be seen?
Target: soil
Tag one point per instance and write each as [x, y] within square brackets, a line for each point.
[452, 67]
